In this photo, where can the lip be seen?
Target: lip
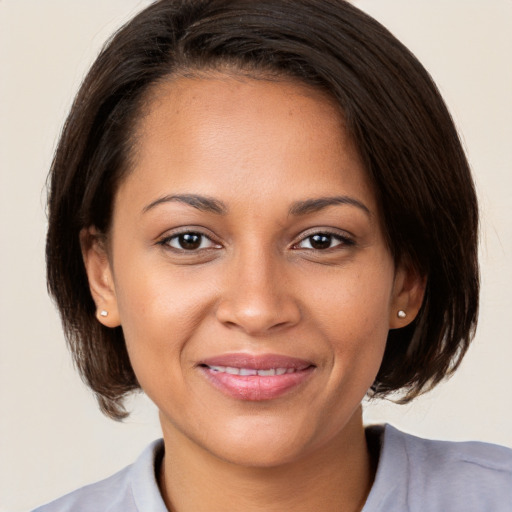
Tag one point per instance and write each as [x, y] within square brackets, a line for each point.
[256, 387]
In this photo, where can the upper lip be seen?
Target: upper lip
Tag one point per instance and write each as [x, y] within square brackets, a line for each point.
[257, 361]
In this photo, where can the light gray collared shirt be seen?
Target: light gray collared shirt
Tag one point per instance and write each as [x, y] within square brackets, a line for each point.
[413, 475]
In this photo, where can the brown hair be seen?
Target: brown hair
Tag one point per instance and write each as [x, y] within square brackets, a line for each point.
[393, 111]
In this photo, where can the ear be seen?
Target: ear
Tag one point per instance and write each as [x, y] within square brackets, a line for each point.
[408, 291]
[100, 276]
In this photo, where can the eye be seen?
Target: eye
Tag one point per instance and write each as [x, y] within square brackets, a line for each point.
[323, 241]
[189, 241]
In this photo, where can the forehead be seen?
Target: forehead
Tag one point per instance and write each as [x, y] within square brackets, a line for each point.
[225, 133]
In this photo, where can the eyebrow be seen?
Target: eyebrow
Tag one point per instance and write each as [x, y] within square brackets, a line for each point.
[211, 205]
[315, 205]
[203, 203]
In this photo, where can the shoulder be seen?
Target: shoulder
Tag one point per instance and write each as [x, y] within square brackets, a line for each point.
[471, 455]
[430, 475]
[133, 489]
[108, 494]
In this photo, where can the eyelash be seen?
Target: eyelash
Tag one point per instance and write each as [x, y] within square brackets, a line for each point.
[344, 241]
[166, 241]
[341, 239]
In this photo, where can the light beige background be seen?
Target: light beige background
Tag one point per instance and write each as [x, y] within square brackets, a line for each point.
[52, 437]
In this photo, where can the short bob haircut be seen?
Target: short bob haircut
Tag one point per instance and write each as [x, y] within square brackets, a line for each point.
[393, 112]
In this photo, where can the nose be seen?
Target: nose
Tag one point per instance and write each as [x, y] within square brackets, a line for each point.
[258, 297]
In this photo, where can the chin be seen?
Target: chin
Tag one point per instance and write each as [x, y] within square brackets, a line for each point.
[265, 443]
[262, 455]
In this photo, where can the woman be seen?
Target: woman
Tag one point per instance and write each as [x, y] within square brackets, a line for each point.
[258, 221]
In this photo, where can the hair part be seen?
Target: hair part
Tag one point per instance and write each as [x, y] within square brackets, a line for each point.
[393, 112]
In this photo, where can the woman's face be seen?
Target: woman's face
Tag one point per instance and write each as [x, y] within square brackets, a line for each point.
[248, 268]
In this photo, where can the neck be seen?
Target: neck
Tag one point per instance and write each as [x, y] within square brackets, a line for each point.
[335, 477]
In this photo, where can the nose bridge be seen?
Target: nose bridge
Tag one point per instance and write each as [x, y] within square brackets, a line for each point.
[256, 297]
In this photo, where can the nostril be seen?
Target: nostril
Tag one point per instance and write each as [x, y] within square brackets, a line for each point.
[257, 313]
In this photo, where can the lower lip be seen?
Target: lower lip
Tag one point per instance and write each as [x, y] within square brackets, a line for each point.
[256, 387]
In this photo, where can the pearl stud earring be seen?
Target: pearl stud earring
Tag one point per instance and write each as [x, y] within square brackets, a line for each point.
[103, 312]
[401, 314]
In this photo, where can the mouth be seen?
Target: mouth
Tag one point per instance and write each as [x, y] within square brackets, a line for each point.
[256, 377]
[246, 372]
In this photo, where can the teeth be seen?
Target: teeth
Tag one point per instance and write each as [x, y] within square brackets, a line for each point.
[250, 371]
[218, 368]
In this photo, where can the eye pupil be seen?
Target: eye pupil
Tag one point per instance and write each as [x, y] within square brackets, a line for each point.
[189, 241]
[320, 241]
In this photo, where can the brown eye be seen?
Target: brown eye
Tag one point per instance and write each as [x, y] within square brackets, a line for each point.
[189, 241]
[324, 241]
[320, 241]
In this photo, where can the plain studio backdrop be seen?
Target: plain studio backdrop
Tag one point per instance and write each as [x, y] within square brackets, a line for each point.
[52, 436]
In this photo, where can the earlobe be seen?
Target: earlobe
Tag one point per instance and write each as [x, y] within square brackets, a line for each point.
[408, 292]
[99, 274]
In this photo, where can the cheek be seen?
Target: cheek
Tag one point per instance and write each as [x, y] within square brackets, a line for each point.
[356, 303]
[353, 314]
[159, 311]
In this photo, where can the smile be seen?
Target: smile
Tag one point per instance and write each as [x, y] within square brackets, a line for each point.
[256, 378]
[245, 372]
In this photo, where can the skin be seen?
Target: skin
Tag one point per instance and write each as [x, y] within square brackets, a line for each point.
[256, 284]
